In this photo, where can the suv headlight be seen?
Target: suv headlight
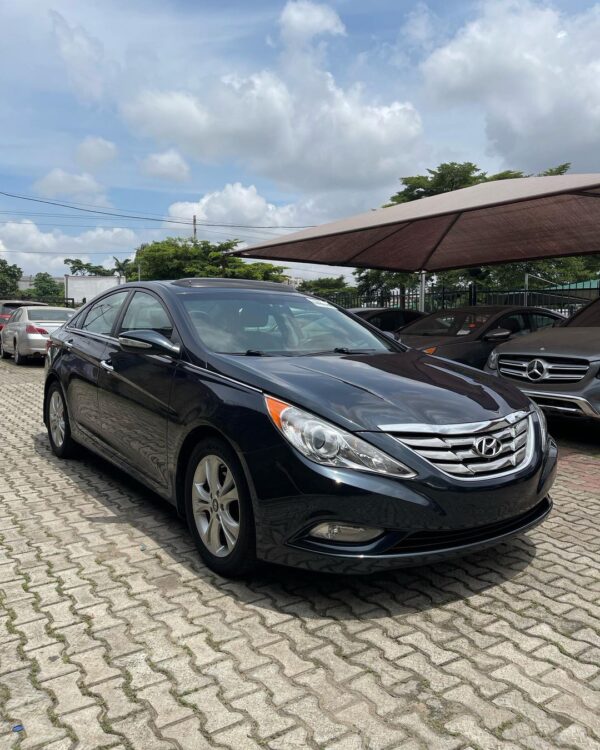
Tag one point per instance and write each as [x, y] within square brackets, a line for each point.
[492, 362]
[543, 422]
[326, 444]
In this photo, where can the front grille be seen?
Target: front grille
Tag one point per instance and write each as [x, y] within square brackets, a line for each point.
[543, 369]
[440, 539]
[472, 451]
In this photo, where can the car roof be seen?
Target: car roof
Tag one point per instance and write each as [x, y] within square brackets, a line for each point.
[22, 302]
[46, 307]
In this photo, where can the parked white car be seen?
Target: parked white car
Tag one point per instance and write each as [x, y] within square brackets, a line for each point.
[27, 330]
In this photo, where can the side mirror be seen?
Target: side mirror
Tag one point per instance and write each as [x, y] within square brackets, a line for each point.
[148, 341]
[497, 335]
[390, 335]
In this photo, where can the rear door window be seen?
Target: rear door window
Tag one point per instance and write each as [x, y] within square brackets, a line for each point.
[542, 321]
[517, 323]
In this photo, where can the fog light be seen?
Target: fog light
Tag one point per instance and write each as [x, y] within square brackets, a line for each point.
[344, 532]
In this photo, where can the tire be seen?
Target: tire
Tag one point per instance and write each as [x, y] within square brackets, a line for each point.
[57, 421]
[19, 358]
[223, 532]
[3, 353]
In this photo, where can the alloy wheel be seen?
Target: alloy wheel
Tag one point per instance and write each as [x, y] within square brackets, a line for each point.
[56, 419]
[216, 505]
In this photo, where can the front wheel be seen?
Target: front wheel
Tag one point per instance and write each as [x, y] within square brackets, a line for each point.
[219, 510]
[57, 420]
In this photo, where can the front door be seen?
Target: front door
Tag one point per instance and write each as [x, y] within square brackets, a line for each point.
[135, 390]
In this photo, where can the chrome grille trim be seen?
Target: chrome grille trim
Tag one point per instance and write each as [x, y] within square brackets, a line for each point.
[451, 448]
[558, 369]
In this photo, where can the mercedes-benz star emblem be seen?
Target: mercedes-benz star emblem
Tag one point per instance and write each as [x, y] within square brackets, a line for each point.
[487, 447]
[537, 369]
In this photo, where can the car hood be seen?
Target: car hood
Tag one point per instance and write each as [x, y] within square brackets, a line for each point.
[364, 392]
[424, 342]
[569, 341]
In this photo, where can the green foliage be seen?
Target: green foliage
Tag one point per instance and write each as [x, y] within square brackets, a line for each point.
[9, 277]
[45, 289]
[324, 286]
[79, 267]
[177, 258]
[124, 268]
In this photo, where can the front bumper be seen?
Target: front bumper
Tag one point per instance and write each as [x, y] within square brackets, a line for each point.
[424, 520]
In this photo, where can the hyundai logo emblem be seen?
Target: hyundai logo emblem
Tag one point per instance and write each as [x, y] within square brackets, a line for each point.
[487, 447]
[537, 369]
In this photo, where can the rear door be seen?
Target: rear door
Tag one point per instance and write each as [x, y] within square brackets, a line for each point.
[135, 391]
[83, 347]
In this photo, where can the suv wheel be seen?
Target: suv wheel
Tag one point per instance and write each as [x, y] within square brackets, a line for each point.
[57, 420]
[219, 510]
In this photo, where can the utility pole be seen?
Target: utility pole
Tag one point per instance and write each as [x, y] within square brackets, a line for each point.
[194, 227]
[139, 273]
[422, 282]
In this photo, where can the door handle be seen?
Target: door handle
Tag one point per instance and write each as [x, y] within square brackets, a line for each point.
[105, 364]
[68, 344]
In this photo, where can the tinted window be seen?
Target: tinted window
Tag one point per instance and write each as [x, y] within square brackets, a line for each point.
[47, 315]
[101, 316]
[447, 323]
[542, 321]
[389, 321]
[145, 312]
[516, 323]
[589, 316]
[288, 324]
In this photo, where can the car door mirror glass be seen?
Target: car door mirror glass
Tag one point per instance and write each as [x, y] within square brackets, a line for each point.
[148, 341]
[498, 334]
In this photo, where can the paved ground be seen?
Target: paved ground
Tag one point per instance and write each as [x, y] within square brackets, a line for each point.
[112, 634]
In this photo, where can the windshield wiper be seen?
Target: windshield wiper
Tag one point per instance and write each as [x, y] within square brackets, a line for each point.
[338, 350]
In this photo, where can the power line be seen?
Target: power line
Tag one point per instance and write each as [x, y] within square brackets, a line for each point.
[187, 222]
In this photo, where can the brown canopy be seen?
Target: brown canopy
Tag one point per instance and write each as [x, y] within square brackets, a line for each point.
[508, 220]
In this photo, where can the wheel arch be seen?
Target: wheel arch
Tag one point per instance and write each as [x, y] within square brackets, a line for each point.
[198, 433]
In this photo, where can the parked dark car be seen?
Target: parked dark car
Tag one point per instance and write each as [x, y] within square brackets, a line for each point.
[469, 334]
[387, 318]
[8, 306]
[338, 449]
[558, 369]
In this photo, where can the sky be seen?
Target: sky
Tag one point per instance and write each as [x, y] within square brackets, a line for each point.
[269, 114]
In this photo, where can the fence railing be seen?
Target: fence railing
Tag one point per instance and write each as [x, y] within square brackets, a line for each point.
[562, 299]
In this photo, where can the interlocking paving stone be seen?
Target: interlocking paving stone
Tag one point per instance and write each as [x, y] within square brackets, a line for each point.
[113, 634]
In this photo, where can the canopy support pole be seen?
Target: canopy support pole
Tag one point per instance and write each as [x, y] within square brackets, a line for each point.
[422, 280]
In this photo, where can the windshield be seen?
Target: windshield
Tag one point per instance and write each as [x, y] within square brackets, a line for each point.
[257, 323]
[447, 323]
[588, 317]
[48, 315]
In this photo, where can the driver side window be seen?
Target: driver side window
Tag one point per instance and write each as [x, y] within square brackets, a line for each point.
[517, 323]
[145, 313]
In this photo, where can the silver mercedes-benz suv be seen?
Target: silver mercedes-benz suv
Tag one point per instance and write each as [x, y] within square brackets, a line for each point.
[559, 368]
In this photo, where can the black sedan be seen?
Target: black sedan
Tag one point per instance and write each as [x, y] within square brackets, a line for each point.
[387, 318]
[469, 334]
[284, 429]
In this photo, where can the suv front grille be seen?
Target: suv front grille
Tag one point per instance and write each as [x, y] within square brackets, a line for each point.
[543, 369]
[472, 451]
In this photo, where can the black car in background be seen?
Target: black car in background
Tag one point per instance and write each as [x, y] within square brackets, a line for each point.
[469, 334]
[286, 430]
[558, 369]
[387, 318]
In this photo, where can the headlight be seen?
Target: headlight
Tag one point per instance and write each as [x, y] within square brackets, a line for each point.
[329, 445]
[543, 424]
[492, 362]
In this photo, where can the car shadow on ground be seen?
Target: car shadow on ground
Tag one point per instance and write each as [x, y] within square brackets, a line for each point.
[157, 529]
[574, 434]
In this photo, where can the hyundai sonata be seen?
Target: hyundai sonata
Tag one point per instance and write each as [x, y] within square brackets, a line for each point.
[284, 429]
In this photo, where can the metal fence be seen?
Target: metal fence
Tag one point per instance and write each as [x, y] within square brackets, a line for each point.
[565, 299]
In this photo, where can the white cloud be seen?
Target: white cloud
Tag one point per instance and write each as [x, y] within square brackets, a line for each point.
[35, 250]
[168, 165]
[87, 67]
[295, 125]
[94, 151]
[77, 187]
[534, 71]
[301, 20]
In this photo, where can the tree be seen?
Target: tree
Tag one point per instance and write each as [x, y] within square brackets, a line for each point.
[9, 278]
[45, 289]
[324, 286]
[176, 258]
[123, 267]
[79, 267]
